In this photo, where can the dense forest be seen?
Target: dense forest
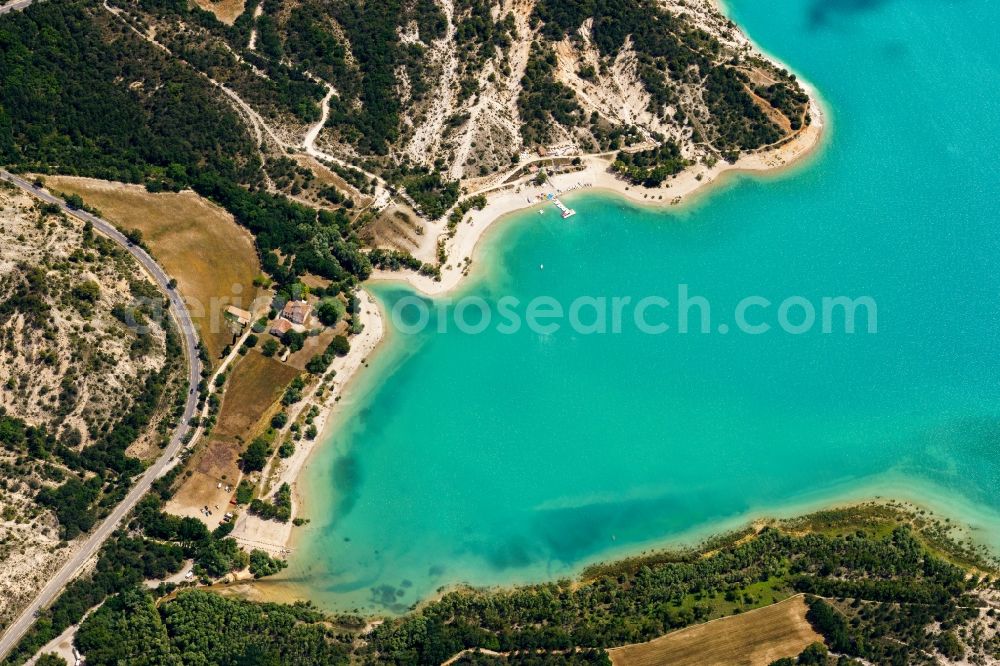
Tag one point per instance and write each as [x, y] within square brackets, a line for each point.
[651, 167]
[81, 94]
[878, 586]
[204, 628]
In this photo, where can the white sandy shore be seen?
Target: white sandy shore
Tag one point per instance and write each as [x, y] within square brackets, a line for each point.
[273, 536]
[595, 174]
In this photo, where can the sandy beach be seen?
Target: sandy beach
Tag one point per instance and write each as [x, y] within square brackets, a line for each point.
[276, 537]
[595, 174]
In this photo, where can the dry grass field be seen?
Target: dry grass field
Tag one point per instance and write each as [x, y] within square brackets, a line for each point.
[199, 244]
[754, 638]
[226, 11]
[255, 385]
[315, 344]
[250, 399]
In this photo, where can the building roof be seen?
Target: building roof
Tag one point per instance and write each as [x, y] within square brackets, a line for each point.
[236, 314]
[280, 327]
[296, 311]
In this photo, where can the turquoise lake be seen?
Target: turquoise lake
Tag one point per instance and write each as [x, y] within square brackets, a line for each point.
[495, 458]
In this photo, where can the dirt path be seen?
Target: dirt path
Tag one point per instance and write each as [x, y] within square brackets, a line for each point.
[382, 195]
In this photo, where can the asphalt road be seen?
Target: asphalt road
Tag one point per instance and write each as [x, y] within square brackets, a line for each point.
[97, 537]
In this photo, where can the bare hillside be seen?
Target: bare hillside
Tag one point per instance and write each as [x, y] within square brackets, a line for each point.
[75, 370]
[429, 98]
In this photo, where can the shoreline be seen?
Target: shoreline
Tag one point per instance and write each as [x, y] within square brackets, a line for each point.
[374, 323]
[503, 202]
[279, 538]
[885, 489]
[891, 489]
[468, 240]
[682, 190]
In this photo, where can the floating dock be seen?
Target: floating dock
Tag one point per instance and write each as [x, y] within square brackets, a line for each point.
[565, 210]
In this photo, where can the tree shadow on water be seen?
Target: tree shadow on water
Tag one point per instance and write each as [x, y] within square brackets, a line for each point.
[824, 12]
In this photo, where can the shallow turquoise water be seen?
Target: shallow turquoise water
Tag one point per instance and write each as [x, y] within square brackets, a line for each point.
[497, 458]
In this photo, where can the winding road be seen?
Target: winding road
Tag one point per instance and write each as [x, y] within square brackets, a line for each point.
[98, 536]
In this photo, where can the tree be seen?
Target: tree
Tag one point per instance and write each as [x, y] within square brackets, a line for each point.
[294, 391]
[218, 558]
[293, 340]
[88, 291]
[74, 201]
[814, 654]
[270, 347]
[126, 629]
[318, 364]
[256, 455]
[134, 236]
[330, 311]
[262, 564]
[72, 504]
[950, 646]
[340, 345]
[244, 492]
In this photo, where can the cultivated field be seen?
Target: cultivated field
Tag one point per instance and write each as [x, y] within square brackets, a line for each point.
[754, 638]
[212, 258]
[254, 386]
[251, 395]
